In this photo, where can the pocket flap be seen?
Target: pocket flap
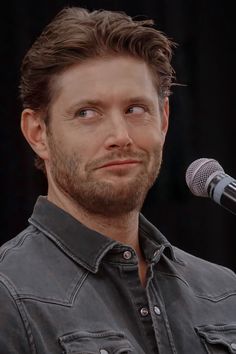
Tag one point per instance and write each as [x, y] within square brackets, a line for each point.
[224, 335]
[95, 342]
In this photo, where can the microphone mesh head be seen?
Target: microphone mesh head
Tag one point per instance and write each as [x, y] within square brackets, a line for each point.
[198, 173]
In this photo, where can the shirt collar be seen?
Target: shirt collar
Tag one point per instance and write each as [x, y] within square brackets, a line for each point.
[88, 247]
[153, 242]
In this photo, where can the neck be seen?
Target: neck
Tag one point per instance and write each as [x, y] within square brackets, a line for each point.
[122, 228]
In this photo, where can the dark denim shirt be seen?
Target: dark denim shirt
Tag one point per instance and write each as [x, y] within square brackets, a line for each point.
[65, 288]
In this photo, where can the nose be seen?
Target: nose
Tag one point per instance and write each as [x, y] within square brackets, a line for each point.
[118, 136]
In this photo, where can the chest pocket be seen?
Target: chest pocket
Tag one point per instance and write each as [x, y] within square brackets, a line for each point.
[218, 339]
[104, 342]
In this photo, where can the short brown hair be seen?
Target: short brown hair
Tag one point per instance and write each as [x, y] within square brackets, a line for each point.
[75, 35]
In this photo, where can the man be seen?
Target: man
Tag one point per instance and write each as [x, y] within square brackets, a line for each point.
[90, 274]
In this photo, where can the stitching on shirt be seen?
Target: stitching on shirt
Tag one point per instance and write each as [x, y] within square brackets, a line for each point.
[102, 254]
[216, 298]
[217, 327]
[82, 334]
[56, 301]
[165, 317]
[12, 292]
[49, 300]
[120, 263]
[174, 276]
[51, 235]
[27, 326]
[78, 287]
[12, 246]
[74, 283]
[213, 298]
[139, 322]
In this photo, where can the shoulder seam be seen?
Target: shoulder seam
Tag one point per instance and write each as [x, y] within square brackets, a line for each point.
[12, 246]
[13, 294]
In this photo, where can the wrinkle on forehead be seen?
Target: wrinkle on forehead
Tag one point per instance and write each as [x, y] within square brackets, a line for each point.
[62, 80]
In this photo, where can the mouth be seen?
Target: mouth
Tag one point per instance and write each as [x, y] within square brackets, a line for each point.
[120, 163]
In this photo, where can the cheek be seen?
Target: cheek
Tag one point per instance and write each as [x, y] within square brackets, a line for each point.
[151, 140]
[83, 147]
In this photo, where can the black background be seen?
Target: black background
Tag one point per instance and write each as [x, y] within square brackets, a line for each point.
[202, 120]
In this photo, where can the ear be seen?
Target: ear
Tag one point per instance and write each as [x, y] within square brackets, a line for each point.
[34, 131]
[165, 117]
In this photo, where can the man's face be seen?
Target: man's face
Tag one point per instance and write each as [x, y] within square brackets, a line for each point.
[106, 135]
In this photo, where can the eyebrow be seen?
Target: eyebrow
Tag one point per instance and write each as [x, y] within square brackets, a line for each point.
[139, 99]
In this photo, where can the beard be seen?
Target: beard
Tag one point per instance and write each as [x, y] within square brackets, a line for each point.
[101, 196]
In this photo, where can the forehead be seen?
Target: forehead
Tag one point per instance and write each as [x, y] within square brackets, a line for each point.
[105, 77]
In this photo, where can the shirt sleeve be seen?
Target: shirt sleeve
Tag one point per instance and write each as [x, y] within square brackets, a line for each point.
[13, 334]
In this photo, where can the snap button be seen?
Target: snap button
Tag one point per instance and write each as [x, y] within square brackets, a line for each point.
[103, 351]
[127, 255]
[157, 310]
[233, 346]
[144, 311]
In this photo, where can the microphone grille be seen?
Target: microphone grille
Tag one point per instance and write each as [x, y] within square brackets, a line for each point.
[198, 173]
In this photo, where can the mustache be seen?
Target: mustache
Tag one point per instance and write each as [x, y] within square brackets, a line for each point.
[142, 156]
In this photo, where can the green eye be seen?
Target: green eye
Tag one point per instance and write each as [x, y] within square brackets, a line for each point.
[87, 113]
[136, 110]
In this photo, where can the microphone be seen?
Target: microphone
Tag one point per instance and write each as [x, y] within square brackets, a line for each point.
[206, 178]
